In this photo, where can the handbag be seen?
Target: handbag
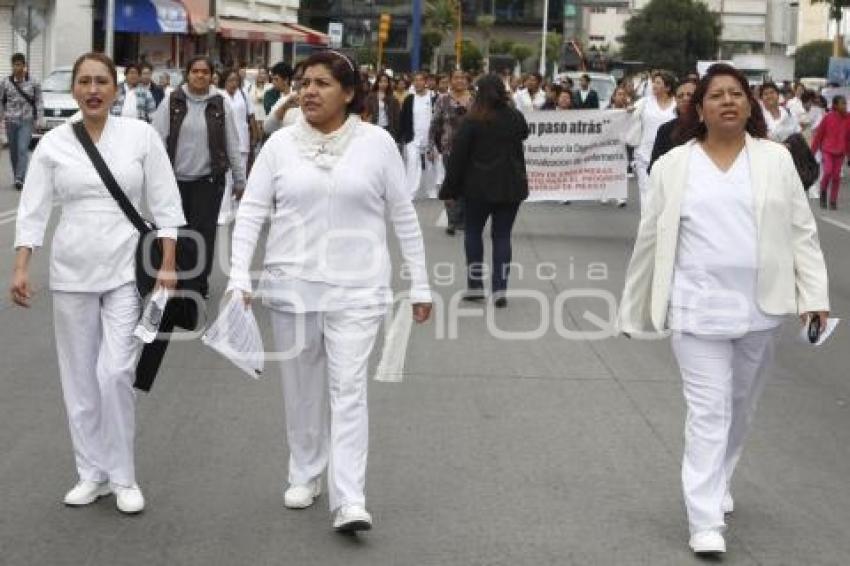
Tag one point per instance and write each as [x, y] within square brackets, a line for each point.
[149, 250]
[804, 161]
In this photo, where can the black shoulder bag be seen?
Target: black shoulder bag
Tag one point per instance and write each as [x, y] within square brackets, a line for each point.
[30, 100]
[149, 249]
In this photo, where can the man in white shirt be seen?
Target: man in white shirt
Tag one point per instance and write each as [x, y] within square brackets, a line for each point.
[133, 100]
[416, 115]
[532, 96]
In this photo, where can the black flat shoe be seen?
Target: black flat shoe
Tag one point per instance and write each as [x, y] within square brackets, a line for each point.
[501, 302]
[450, 230]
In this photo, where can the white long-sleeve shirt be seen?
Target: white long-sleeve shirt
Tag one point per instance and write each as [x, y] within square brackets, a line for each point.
[328, 222]
[93, 248]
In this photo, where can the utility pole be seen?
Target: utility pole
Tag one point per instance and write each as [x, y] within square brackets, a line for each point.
[543, 38]
[212, 26]
[110, 29]
[416, 51]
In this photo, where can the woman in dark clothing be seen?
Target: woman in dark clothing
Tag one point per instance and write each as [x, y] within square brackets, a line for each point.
[487, 168]
[382, 107]
[665, 138]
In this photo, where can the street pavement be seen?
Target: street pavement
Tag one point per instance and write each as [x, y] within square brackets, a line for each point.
[492, 451]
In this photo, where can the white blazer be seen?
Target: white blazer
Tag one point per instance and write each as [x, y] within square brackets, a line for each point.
[791, 270]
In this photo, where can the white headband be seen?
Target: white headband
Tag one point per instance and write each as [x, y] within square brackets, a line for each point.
[346, 59]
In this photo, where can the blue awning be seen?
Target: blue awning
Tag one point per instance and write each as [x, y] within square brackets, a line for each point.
[151, 16]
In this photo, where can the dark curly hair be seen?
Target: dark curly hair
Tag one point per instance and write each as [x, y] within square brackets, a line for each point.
[490, 96]
[344, 70]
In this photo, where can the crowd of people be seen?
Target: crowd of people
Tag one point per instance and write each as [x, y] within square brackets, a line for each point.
[325, 155]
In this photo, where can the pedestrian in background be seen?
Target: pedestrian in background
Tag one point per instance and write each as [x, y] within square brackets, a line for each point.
[487, 169]
[281, 79]
[726, 248]
[243, 113]
[286, 110]
[665, 139]
[531, 97]
[585, 97]
[648, 113]
[565, 100]
[382, 107]
[146, 80]
[134, 100]
[22, 107]
[781, 124]
[450, 111]
[832, 139]
[401, 89]
[327, 276]
[200, 135]
[415, 125]
[165, 84]
[96, 305]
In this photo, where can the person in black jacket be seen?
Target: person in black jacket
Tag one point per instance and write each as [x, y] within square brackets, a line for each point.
[664, 139]
[585, 97]
[487, 168]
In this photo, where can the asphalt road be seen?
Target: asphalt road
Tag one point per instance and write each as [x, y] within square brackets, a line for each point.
[493, 450]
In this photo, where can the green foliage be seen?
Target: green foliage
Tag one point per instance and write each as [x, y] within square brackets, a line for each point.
[812, 59]
[431, 39]
[672, 34]
[501, 46]
[521, 52]
[471, 58]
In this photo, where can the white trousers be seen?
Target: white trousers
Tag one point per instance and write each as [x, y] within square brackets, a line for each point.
[643, 183]
[97, 358]
[324, 392]
[421, 177]
[722, 381]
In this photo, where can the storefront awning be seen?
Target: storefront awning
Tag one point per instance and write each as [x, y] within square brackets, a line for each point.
[313, 37]
[150, 16]
[232, 28]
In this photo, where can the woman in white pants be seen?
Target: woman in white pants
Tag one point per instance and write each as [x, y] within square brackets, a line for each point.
[727, 247]
[92, 273]
[651, 112]
[328, 183]
[243, 112]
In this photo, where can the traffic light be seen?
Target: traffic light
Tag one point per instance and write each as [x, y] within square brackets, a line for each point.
[384, 27]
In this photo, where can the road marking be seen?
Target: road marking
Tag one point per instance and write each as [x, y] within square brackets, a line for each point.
[7, 213]
[836, 223]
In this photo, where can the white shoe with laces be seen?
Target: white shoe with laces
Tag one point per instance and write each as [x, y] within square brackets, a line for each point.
[86, 492]
[129, 499]
[708, 542]
[302, 496]
[352, 518]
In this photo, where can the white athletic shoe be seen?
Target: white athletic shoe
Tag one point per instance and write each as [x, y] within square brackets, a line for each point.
[302, 496]
[708, 542]
[352, 518]
[728, 505]
[129, 499]
[86, 492]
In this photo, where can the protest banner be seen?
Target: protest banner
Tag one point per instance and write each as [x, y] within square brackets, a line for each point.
[576, 155]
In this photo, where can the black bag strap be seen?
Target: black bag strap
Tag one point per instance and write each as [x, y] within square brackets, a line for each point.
[27, 97]
[111, 184]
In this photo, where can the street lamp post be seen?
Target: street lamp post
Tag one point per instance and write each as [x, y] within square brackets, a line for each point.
[109, 47]
[543, 39]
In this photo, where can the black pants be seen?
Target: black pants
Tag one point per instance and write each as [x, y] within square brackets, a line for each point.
[502, 221]
[201, 204]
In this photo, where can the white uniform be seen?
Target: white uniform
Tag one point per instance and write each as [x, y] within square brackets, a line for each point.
[527, 103]
[327, 281]
[92, 273]
[651, 118]
[243, 111]
[778, 129]
[421, 172]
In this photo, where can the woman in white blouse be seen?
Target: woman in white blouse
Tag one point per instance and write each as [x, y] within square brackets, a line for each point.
[243, 114]
[727, 248]
[328, 182]
[92, 273]
[781, 123]
[651, 112]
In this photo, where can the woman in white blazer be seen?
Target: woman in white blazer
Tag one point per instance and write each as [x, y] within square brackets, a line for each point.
[328, 182]
[92, 273]
[726, 248]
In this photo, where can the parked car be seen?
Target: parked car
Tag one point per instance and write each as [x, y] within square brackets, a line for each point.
[59, 103]
[602, 83]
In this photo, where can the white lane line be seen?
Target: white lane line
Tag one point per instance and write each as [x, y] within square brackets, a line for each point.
[7, 213]
[8, 220]
[836, 223]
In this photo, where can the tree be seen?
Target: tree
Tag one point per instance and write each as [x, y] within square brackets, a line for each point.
[471, 58]
[836, 8]
[521, 52]
[812, 59]
[431, 41]
[501, 46]
[554, 45]
[441, 19]
[672, 34]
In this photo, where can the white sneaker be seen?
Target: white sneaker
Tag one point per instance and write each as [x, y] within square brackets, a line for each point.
[352, 518]
[130, 499]
[302, 496]
[86, 492]
[708, 542]
[728, 505]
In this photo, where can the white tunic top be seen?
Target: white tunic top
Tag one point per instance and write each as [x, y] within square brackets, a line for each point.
[526, 103]
[93, 248]
[778, 129]
[328, 197]
[241, 111]
[422, 114]
[651, 118]
[715, 276]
